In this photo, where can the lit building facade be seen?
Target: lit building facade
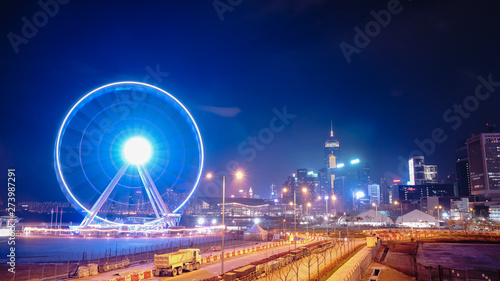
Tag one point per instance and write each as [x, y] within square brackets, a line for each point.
[420, 173]
[494, 211]
[332, 158]
[374, 193]
[484, 165]
[415, 192]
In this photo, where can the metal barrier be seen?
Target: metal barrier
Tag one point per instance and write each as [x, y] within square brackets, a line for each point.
[428, 273]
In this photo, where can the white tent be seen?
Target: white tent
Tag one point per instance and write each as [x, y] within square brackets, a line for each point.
[255, 233]
[370, 217]
[417, 218]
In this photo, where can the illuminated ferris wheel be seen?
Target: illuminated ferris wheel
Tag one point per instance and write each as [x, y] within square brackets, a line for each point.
[128, 153]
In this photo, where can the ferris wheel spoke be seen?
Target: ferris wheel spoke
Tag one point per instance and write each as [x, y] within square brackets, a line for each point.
[148, 191]
[150, 187]
[104, 196]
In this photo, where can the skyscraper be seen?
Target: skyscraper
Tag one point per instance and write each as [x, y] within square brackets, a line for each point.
[484, 165]
[332, 157]
[374, 193]
[416, 167]
[462, 168]
[421, 173]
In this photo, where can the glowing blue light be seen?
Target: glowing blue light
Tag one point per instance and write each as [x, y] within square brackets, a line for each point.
[360, 194]
[137, 151]
[257, 220]
[340, 165]
[201, 221]
[355, 161]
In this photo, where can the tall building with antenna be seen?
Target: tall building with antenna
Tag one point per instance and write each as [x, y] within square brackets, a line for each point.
[332, 157]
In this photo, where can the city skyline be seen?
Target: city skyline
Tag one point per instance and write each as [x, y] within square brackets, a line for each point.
[263, 91]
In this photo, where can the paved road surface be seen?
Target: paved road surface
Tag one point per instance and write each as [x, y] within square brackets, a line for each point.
[208, 270]
[214, 269]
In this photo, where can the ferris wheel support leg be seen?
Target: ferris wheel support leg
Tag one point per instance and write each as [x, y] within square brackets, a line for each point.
[159, 201]
[104, 196]
[147, 187]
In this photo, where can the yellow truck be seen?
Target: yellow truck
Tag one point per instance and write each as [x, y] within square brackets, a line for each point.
[176, 263]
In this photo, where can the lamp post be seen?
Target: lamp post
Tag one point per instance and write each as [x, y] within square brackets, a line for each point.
[376, 213]
[238, 175]
[307, 218]
[295, 212]
[291, 204]
[284, 220]
[334, 223]
[438, 208]
[326, 199]
[326, 216]
[402, 224]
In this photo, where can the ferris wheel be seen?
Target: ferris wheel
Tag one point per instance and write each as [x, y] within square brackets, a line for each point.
[128, 153]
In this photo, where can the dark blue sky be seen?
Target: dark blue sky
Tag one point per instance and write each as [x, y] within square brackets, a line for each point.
[231, 74]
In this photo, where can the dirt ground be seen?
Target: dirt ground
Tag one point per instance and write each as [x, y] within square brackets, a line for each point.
[386, 274]
[409, 248]
[399, 257]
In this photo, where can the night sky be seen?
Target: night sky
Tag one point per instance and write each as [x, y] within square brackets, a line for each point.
[234, 69]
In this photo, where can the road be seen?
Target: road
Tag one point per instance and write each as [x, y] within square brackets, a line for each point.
[214, 269]
[207, 270]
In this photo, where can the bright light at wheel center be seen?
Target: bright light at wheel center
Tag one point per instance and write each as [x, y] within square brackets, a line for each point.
[137, 151]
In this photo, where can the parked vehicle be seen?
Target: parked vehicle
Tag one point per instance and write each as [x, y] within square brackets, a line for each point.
[175, 263]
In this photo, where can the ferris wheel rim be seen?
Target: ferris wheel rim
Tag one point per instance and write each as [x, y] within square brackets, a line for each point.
[79, 104]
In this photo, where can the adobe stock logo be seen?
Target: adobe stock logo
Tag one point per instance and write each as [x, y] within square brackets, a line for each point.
[372, 29]
[39, 19]
[221, 7]
[454, 116]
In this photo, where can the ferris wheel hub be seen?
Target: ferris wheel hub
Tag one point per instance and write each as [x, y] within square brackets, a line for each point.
[137, 151]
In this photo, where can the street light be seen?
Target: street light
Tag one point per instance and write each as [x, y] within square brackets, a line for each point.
[304, 189]
[326, 199]
[402, 224]
[238, 175]
[307, 218]
[438, 208]
[376, 213]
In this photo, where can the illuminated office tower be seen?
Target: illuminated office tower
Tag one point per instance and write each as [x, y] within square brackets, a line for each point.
[416, 167]
[332, 157]
[420, 173]
[484, 165]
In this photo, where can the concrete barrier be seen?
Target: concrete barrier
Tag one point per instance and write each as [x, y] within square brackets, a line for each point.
[83, 271]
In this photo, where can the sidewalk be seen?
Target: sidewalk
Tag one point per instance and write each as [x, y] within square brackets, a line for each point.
[352, 265]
